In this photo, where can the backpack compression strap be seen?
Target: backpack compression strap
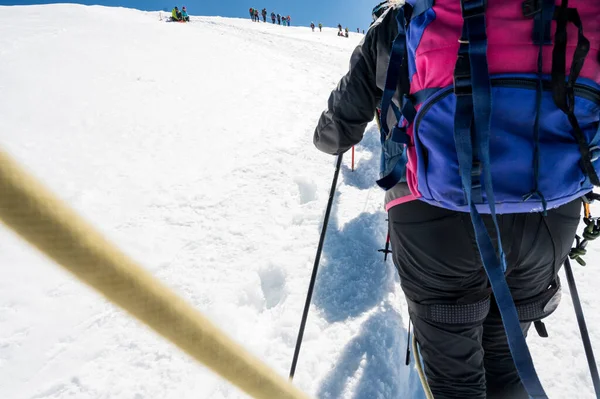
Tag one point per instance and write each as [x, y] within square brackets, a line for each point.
[563, 92]
[474, 105]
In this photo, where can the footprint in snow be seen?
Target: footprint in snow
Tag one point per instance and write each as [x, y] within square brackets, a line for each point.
[307, 189]
[272, 283]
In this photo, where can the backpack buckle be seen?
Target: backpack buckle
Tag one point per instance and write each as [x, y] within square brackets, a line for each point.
[540, 327]
[472, 8]
[462, 86]
[594, 153]
[462, 76]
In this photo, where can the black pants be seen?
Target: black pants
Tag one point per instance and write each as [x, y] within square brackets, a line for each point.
[435, 252]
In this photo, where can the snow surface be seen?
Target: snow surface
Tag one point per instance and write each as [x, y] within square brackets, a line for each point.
[190, 146]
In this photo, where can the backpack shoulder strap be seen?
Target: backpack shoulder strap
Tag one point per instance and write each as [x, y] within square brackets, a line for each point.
[396, 76]
[397, 72]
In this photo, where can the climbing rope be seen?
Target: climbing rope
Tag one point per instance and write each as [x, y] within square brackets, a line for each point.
[420, 371]
[47, 223]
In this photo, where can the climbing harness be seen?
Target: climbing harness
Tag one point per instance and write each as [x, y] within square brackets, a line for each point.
[590, 232]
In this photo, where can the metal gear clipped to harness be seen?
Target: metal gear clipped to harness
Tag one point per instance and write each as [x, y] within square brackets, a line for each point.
[590, 232]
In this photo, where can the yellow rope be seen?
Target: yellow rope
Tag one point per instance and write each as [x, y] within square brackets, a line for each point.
[377, 120]
[420, 371]
[35, 214]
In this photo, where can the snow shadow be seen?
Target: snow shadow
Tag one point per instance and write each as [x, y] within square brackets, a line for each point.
[353, 277]
[372, 366]
[366, 170]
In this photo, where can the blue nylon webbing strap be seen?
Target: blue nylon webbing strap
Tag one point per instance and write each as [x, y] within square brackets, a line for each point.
[422, 95]
[482, 97]
[390, 180]
[542, 12]
[474, 105]
[399, 135]
[393, 75]
[408, 109]
[420, 6]
[463, 89]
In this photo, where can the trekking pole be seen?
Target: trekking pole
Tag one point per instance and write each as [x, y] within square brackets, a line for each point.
[585, 337]
[353, 158]
[386, 250]
[315, 267]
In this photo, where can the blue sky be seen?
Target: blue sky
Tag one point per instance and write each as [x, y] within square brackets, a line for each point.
[351, 13]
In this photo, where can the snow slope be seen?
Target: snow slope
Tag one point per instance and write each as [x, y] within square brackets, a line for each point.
[190, 146]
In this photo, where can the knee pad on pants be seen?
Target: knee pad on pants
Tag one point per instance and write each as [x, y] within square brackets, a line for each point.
[541, 305]
[530, 310]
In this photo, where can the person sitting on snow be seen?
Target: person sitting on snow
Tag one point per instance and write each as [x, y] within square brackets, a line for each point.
[184, 14]
[175, 14]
